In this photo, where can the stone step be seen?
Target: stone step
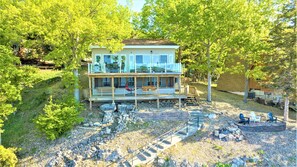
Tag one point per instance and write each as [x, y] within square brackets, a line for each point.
[127, 164]
[182, 133]
[152, 150]
[141, 157]
[159, 146]
[146, 153]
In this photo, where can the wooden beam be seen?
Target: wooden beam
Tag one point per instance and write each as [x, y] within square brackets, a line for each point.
[179, 96]
[158, 100]
[90, 92]
[135, 91]
[112, 89]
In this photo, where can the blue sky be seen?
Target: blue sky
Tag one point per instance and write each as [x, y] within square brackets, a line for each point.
[135, 6]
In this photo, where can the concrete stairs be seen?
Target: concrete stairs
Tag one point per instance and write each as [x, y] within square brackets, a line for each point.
[148, 153]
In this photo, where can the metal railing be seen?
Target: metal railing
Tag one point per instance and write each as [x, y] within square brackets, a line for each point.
[157, 141]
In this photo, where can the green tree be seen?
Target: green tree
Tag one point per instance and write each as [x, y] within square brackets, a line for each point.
[57, 119]
[206, 27]
[7, 157]
[13, 79]
[250, 43]
[70, 27]
[281, 66]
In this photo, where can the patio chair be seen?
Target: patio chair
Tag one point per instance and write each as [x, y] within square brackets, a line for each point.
[254, 117]
[271, 118]
[129, 89]
[243, 119]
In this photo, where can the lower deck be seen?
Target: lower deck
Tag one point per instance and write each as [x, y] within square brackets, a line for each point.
[138, 97]
[136, 87]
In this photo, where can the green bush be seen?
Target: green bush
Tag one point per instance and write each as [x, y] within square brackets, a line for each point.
[7, 157]
[57, 119]
[220, 164]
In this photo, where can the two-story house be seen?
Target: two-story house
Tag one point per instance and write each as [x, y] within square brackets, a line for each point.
[142, 70]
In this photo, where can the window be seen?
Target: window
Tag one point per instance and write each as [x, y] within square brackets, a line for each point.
[107, 59]
[97, 59]
[139, 59]
[163, 59]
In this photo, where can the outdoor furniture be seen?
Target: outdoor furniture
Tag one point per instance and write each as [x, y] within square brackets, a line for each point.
[129, 89]
[254, 117]
[149, 88]
[271, 118]
[243, 119]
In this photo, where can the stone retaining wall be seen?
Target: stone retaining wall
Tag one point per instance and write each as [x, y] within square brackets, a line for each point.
[174, 116]
[263, 127]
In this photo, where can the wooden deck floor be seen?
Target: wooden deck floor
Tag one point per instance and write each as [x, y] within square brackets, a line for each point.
[138, 97]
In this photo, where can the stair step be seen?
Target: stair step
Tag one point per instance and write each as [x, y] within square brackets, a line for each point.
[127, 164]
[141, 157]
[182, 133]
[144, 152]
[159, 146]
[166, 142]
[152, 150]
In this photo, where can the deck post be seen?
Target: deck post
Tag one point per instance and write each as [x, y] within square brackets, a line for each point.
[179, 96]
[158, 100]
[90, 92]
[135, 91]
[112, 89]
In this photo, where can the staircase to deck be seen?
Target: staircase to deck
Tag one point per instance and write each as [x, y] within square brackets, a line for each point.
[148, 153]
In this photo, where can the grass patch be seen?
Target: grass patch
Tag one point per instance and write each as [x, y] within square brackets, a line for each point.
[19, 129]
[237, 101]
[218, 147]
[261, 152]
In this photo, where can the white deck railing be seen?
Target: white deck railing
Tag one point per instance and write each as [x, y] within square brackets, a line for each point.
[136, 68]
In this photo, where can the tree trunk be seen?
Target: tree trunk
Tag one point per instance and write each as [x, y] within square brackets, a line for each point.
[76, 87]
[208, 75]
[246, 84]
[286, 109]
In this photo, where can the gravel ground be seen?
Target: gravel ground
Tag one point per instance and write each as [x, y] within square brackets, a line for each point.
[273, 149]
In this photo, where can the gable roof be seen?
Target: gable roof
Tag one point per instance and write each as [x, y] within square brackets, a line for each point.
[145, 43]
[148, 42]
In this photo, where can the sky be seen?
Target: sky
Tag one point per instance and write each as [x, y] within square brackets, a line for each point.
[136, 4]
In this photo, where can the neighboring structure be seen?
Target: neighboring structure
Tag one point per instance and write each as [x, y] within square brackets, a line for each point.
[235, 83]
[143, 70]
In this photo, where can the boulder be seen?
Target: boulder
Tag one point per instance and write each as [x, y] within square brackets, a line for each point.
[113, 157]
[216, 133]
[97, 124]
[221, 136]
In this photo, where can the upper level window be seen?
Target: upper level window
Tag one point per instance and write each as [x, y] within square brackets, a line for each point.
[107, 59]
[139, 59]
[163, 58]
[97, 58]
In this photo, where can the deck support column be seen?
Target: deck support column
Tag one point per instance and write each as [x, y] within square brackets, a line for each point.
[135, 91]
[90, 92]
[112, 89]
[158, 100]
[179, 96]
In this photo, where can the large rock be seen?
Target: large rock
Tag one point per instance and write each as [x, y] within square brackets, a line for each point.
[221, 136]
[113, 157]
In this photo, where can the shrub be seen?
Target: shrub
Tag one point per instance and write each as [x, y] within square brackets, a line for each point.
[57, 119]
[220, 164]
[7, 157]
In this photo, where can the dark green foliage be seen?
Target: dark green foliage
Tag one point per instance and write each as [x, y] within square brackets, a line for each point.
[7, 157]
[220, 164]
[58, 118]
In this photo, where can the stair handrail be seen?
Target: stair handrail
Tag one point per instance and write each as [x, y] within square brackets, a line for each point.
[155, 141]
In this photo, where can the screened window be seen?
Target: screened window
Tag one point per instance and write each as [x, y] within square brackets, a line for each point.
[139, 59]
[163, 59]
[107, 59]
